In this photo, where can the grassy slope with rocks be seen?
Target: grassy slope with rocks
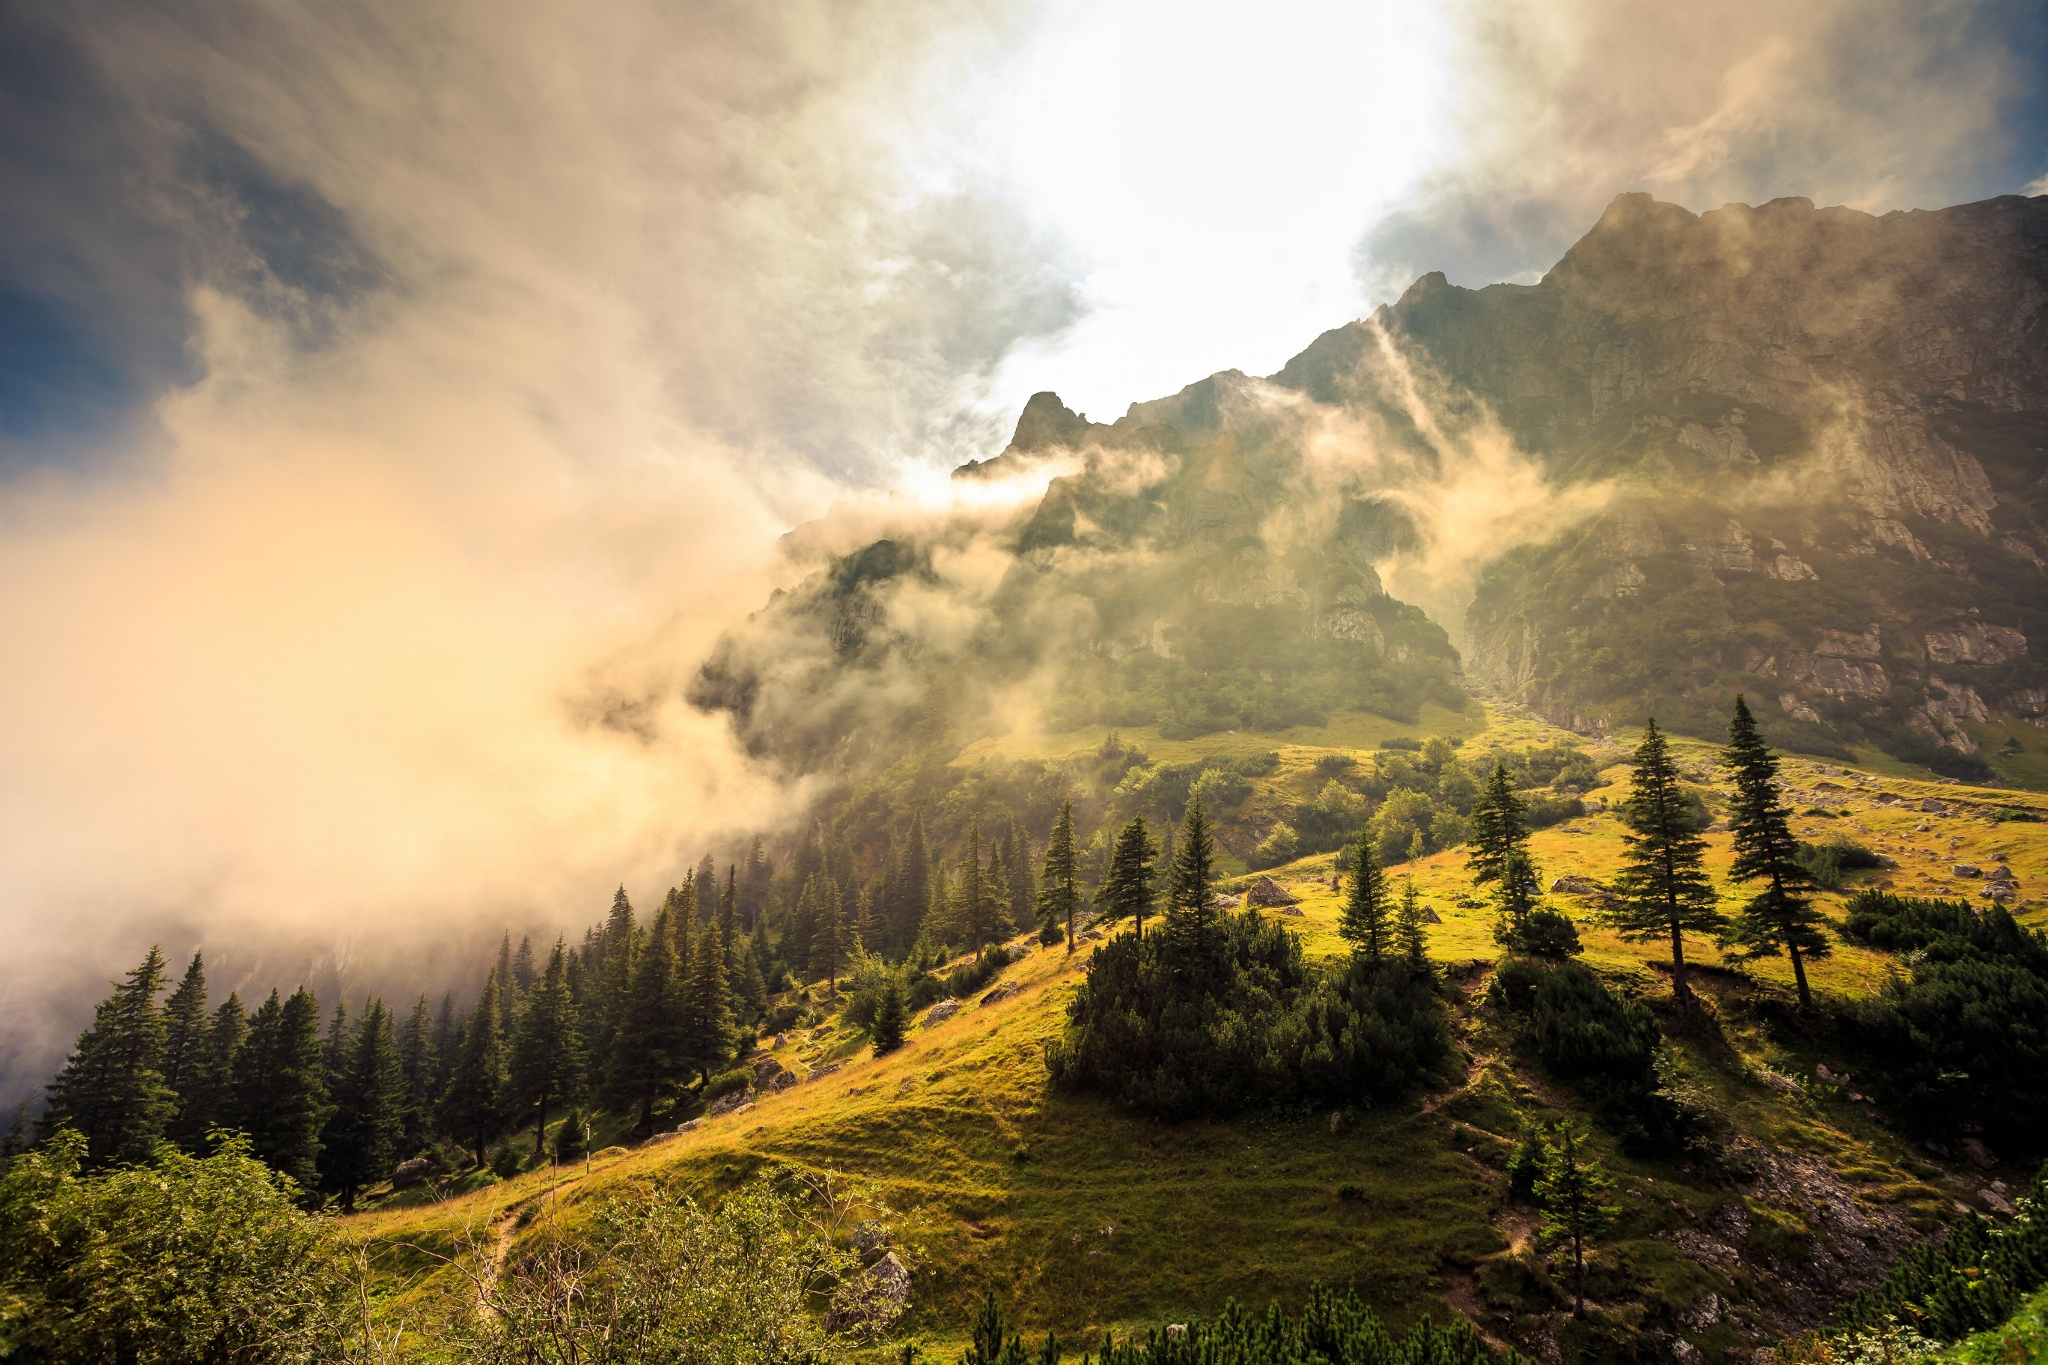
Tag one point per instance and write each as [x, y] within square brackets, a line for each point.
[1084, 1217]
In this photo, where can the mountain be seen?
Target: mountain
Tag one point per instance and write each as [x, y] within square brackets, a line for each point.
[1800, 453]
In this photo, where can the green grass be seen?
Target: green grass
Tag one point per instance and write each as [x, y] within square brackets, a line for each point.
[2023, 1340]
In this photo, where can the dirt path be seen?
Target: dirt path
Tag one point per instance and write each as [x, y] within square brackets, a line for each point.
[503, 1229]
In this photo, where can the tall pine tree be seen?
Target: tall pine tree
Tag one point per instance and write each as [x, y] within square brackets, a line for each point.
[547, 1063]
[707, 1005]
[1059, 886]
[213, 1098]
[1127, 891]
[1367, 907]
[1498, 829]
[112, 1089]
[280, 1086]
[420, 1068]
[649, 1054]
[1023, 892]
[1191, 927]
[1777, 919]
[188, 1057]
[1409, 933]
[368, 1118]
[473, 1109]
[913, 885]
[828, 949]
[1663, 886]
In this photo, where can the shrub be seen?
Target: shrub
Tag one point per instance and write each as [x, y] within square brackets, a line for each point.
[1542, 811]
[571, 1142]
[187, 1258]
[1827, 859]
[1233, 1018]
[1402, 744]
[1964, 1038]
[1334, 765]
[726, 1082]
[1586, 1034]
[969, 977]
[1282, 845]
[1220, 789]
[505, 1162]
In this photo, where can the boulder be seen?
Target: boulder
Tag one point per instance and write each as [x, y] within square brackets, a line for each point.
[822, 1072]
[1267, 892]
[941, 1012]
[1967, 870]
[871, 1238]
[1933, 807]
[872, 1300]
[410, 1173]
[1003, 991]
[728, 1102]
[1430, 916]
[1576, 886]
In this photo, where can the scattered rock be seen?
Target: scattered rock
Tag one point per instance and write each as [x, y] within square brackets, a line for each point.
[1576, 886]
[1267, 892]
[822, 1072]
[781, 1080]
[1430, 916]
[1685, 1353]
[1001, 993]
[694, 1124]
[1997, 1202]
[872, 1301]
[1967, 870]
[1784, 1085]
[1934, 807]
[1091, 936]
[1832, 1077]
[410, 1173]
[727, 1103]
[1718, 827]
[941, 1012]
[1979, 1154]
[1290, 910]
[871, 1238]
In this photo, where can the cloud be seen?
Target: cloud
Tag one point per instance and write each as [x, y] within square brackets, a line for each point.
[1564, 103]
[517, 334]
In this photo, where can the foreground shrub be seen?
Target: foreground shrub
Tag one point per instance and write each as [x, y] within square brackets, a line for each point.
[1607, 1046]
[1238, 1019]
[1332, 1328]
[1964, 1038]
[655, 1277]
[183, 1259]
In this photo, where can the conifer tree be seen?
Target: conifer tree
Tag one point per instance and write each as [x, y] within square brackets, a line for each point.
[707, 887]
[334, 1052]
[214, 1104]
[1663, 886]
[707, 1005]
[937, 926]
[995, 889]
[419, 1067]
[547, 1063]
[445, 1030]
[1190, 920]
[827, 950]
[914, 883]
[1517, 888]
[622, 946]
[889, 1017]
[1059, 888]
[281, 1086]
[754, 885]
[473, 1110]
[368, 1117]
[1777, 919]
[112, 1089]
[1498, 827]
[508, 988]
[1023, 892]
[1367, 908]
[17, 1140]
[648, 1051]
[1409, 933]
[1127, 890]
[188, 1056]
[522, 965]
[1568, 1190]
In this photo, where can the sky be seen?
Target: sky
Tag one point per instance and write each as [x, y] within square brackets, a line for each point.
[388, 391]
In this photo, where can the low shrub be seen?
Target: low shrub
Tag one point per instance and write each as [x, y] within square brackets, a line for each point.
[1826, 859]
[969, 977]
[726, 1082]
[1605, 1045]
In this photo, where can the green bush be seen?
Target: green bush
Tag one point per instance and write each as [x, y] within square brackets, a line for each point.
[1586, 1034]
[726, 1082]
[184, 1259]
[1826, 859]
[1236, 1019]
[1281, 845]
[506, 1162]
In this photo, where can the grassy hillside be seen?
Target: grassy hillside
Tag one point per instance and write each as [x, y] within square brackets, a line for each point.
[1086, 1218]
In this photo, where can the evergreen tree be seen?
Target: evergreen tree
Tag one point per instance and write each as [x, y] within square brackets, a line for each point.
[188, 1056]
[1663, 884]
[1190, 919]
[649, 1054]
[1059, 888]
[827, 950]
[522, 965]
[368, 1118]
[750, 985]
[213, 1104]
[995, 887]
[334, 1053]
[1498, 828]
[280, 1086]
[937, 926]
[1127, 890]
[17, 1140]
[508, 988]
[419, 1065]
[914, 883]
[1409, 934]
[754, 885]
[621, 947]
[979, 904]
[1367, 904]
[112, 1089]
[707, 1005]
[1518, 886]
[1778, 919]
[1569, 1190]
[547, 1057]
[445, 1030]
[473, 1109]
[1017, 863]
[889, 1018]
[707, 887]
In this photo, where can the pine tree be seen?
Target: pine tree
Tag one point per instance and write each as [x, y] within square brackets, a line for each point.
[827, 946]
[508, 988]
[1498, 828]
[621, 947]
[445, 1030]
[1409, 934]
[707, 887]
[334, 1052]
[112, 1089]
[937, 925]
[754, 885]
[1127, 890]
[1568, 1191]
[213, 1104]
[522, 965]
[1367, 907]
[1663, 884]
[1518, 886]
[1059, 888]
[188, 1056]
[889, 1017]
[474, 1106]
[995, 890]
[648, 1051]
[1190, 919]
[1778, 919]
[419, 1066]
[547, 1061]
[914, 883]
[707, 1005]
[1017, 863]
[368, 1117]
[280, 1086]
